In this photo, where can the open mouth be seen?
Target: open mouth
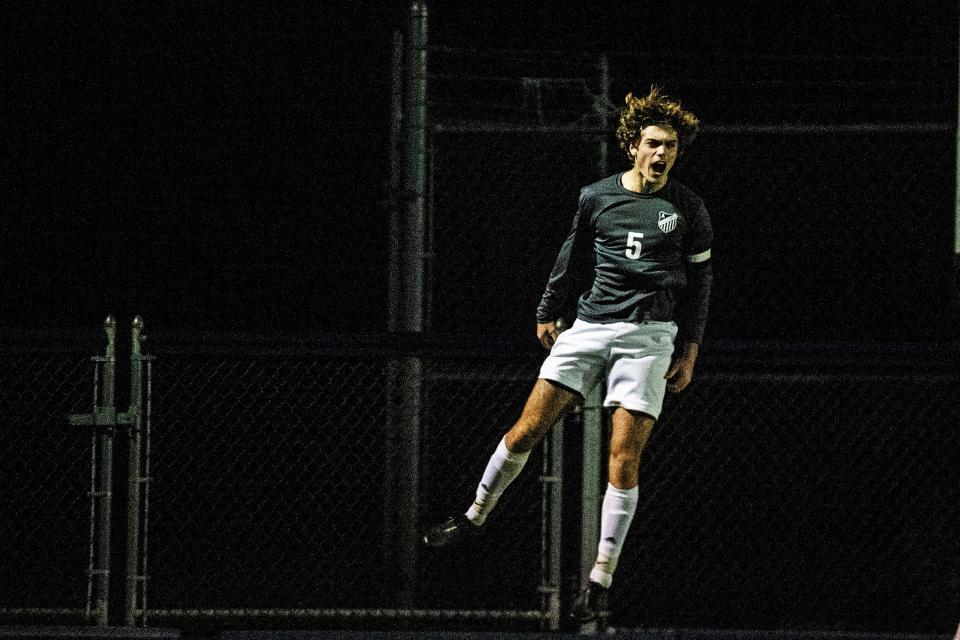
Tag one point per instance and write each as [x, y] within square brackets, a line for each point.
[659, 167]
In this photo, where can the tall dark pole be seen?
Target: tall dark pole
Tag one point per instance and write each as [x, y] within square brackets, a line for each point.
[134, 475]
[411, 303]
[104, 490]
[415, 136]
[602, 119]
[551, 526]
[592, 486]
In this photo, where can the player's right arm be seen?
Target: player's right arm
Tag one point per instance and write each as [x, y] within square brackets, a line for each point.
[572, 261]
[548, 332]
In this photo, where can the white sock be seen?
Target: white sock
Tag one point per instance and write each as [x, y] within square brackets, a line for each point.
[615, 518]
[503, 467]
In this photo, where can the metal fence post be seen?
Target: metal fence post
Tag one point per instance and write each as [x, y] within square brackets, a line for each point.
[413, 226]
[551, 524]
[103, 422]
[602, 116]
[411, 304]
[104, 490]
[136, 482]
[591, 483]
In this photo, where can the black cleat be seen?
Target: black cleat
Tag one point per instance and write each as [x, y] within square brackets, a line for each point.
[590, 604]
[450, 530]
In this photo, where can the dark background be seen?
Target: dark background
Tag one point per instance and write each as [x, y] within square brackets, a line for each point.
[224, 166]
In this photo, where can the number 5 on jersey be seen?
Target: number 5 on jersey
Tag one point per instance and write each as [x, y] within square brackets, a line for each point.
[633, 244]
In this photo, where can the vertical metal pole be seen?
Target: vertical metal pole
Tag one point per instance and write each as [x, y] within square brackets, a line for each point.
[415, 126]
[601, 109]
[144, 542]
[104, 491]
[551, 525]
[94, 501]
[592, 487]
[134, 474]
[408, 480]
[411, 307]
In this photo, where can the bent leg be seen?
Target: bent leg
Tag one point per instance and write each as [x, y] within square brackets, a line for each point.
[546, 404]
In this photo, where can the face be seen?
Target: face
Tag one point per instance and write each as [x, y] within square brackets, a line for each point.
[655, 152]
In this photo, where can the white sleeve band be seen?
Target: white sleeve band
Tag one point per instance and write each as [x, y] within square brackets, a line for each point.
[699, 257]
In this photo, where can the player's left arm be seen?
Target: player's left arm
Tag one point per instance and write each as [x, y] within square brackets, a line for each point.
[681, 368]
[693, 300]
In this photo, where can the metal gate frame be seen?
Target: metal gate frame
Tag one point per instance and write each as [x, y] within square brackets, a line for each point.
[104, 421]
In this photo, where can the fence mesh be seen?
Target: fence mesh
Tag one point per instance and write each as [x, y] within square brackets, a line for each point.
[808, 203]
[45, 506]
[272, 475]
[769, 497]
[799, 501]
[471, 403]
[779, 498]
[268, 482]
[496, 237]
[793, 236]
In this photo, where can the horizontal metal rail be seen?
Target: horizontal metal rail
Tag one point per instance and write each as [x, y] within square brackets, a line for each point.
[389, 614]
[481, 126]
[42, 611]
[717, 354]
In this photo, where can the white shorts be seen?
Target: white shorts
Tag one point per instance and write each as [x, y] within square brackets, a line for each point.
[633, 357]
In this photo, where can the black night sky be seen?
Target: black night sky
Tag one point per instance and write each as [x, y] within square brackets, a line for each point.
[223, 166]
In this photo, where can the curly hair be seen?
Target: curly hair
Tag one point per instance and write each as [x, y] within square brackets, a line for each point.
[655, 108]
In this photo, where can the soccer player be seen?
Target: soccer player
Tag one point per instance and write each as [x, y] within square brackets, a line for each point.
[641, 244]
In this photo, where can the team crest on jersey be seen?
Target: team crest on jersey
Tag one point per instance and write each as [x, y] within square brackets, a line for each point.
[667, 222]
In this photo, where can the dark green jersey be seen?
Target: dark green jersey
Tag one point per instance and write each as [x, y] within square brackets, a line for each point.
[638, 257]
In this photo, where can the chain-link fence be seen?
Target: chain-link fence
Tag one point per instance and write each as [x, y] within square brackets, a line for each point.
[812, 492]
[277, 494]
[821, 234]
[800, 500]
[269, 481]
[804, 214]
[495, 237]
[470, 404]
[856, 227]
[283, 484]
[46, 518]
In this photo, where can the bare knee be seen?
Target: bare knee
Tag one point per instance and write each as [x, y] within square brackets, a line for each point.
[547, 404]
[527, 433]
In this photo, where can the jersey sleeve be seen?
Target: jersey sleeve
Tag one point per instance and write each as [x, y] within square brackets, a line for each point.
[694, 299]
[572, 264]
